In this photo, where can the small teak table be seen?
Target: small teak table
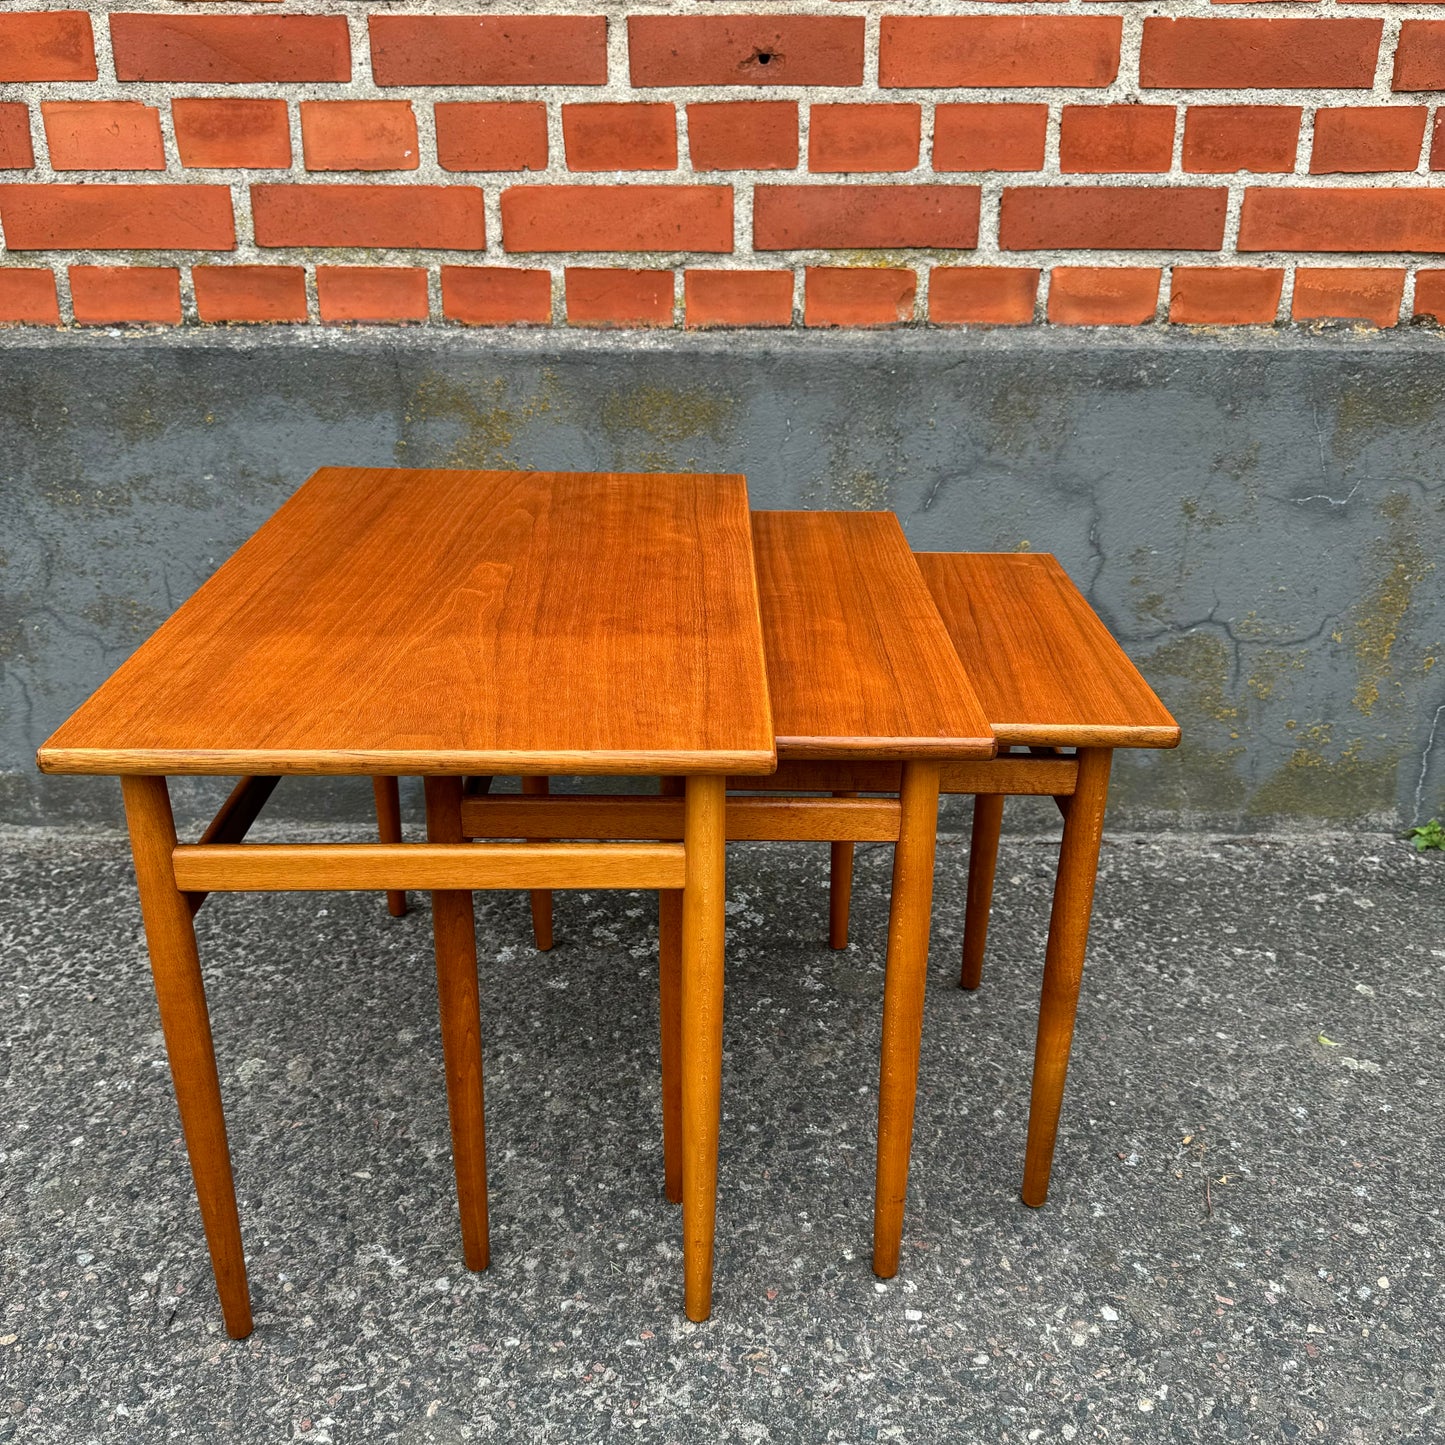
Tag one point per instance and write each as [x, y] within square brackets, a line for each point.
[446, 624]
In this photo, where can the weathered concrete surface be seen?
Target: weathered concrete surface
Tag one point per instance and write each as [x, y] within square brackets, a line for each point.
[1258, 520]
[1242, 1241]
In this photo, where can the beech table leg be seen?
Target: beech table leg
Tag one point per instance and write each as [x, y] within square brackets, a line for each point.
[840, 888]
[541, 897]
[181, 995]
[1064, 964]
[454, 927]
[388, 830]
[669, 978]
[982, 863]
[705, 838]
[903, 986]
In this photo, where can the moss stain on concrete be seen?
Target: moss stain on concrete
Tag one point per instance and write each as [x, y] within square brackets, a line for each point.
[1375, 408]
[1312, 785]
[1400, 565]
[486, 415]
[1202, 773]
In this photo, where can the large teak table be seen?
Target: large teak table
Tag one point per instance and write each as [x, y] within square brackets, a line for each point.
[446, 624]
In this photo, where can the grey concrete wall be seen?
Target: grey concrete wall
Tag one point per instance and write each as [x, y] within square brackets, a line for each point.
[1258, 520]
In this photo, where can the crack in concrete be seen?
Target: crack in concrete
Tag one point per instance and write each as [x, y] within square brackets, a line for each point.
[1419, 798]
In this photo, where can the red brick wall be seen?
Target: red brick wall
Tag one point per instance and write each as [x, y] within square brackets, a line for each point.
[1075, 162]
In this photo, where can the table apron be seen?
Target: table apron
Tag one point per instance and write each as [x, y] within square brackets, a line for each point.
[327, 867]
[748, 820]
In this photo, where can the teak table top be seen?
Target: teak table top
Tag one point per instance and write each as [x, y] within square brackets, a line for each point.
[446, 622]
[1046, 668]
[859, 661]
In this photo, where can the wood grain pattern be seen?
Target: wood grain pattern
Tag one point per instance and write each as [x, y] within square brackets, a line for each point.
[1043, 665]
[327, 867]
[454, 933]
[840, 888]
[387, 792]
[905, 973]
[749, 820]
[541, 898]
[859, 663]
[703, 929]
[181, 995]
[1043, 777]
[389, 621]
[982, 865]
[669, 982]
[1064, 965]
[233, 820]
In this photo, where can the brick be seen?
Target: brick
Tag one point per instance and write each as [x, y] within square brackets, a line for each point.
[1219, 139]
[1104, 218]
[1342, 218]
[629, 136]
[117, 295]
[997, 137]
[991, 50]
[1437, 144]
[359, 135]
[27, 297]
[1429, 295]
[103, 135]
[737, 298]
[1361, 138]
[448, 218]
[798, 218]
[488, 49]
[746, 49]
[225, 134]
[250, 293]
[1096, 138]
[46, 45]
[231, 49]
[858, 296]
[1284, 54]
[496, 296]
[617, 218]
[371, 293]
[1348, 293]
[613, 297]
[65, 217]
[1103, 295]
[491, 135]
[16, 151]
[983, 295]
[866, 137]
[1420, 56]
[1225, 295]
[751, 135]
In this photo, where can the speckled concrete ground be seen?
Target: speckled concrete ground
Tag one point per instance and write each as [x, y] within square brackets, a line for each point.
[1243, 1240]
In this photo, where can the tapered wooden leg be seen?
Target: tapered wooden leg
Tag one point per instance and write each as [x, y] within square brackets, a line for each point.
[705, 838]
[176, 968]
[903, 985]
[388, 830]
[840, 889]
[454, 928]
[669, 979]
[982, 863]
[1064, 964]
[541, 897]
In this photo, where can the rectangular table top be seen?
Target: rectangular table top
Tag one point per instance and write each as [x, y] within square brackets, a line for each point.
[859, 661]
[446, 622]
[1046, 669]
